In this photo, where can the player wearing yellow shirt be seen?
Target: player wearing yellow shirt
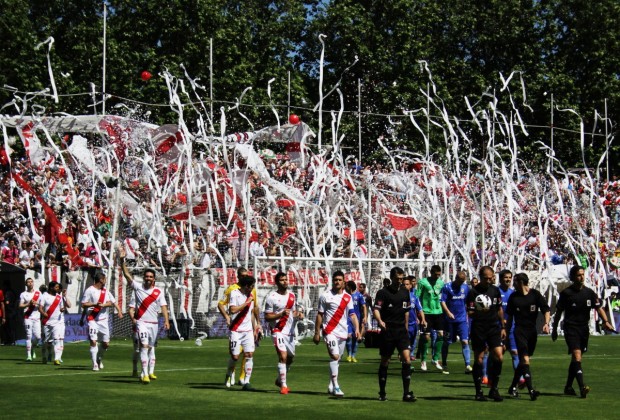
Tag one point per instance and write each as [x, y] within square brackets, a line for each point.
[222, 306]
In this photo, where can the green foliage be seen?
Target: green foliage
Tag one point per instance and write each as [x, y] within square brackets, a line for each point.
[570, 49]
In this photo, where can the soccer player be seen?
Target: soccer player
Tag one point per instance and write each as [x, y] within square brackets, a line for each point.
[415, 312]
[484, 306]
[391, 311]
[456, 324]
[359, 306]
[149, 301]
[577, 302]
[29, 300]
[335, 305]
[96, 300]
[280, 311]
[242, 328]
[505, 289]
[222, 306]
[368, 300]
[522, 312]
[429, 293]
[52, 307]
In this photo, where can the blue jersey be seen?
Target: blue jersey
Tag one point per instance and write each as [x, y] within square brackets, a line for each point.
[454, 298]
[505, 295]
[358, 304]
[415, 308]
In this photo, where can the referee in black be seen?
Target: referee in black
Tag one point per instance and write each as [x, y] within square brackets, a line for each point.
[577, 302]
[522, 309]
[391, 311]
[487, 329]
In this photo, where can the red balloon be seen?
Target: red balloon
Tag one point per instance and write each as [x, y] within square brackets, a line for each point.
[146, 76]
[294, 119]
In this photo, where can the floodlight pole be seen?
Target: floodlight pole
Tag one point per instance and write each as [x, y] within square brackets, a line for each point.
[552, 150]
[105, 24]
[359, 121]
[288, 104]
[606, 144]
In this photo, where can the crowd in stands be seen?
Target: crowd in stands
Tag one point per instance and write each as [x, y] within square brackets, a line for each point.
[86, 209]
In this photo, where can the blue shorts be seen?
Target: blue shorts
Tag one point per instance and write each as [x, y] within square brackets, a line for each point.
[351, 330]
[413, 330]
[454, 329]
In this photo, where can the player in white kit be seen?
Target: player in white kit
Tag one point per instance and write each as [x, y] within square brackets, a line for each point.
[281, 312]
[242, 328]
[52, 307]
[335, 305]
[96, 301]
[149, 301]
[29, 300]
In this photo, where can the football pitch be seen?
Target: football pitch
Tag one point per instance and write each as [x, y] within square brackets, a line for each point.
[190, 385]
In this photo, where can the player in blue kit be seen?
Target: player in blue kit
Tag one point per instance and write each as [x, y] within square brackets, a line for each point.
[505, 289]
[415, 312]
[359, 307]
[453, 297]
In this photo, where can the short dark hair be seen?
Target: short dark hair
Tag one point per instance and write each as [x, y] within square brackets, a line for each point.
[150, 270]
[337, 273]
[572, 274]
[246, 281]
[98, 276]
[351, 285]
[52, 284]
[241, 271]
[435, 269]
[503, 273]
[279, 275]
[395, 271]
[521, 278]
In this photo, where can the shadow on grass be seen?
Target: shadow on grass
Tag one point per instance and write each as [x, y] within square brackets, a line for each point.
[234, 388]
[458, 381]
[450, 398]
[61, 367]
[120, 380]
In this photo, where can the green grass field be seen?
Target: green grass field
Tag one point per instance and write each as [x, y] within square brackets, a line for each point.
[190, 385]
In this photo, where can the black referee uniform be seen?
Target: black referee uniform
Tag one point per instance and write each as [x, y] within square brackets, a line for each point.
[522, 309]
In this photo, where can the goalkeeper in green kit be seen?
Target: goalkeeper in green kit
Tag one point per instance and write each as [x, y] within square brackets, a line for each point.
[429, 294]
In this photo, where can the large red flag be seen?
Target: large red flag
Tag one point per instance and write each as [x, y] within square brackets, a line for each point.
[400, 221]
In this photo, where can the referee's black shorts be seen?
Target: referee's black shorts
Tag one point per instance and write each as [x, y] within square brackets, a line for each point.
[434, 322]
[394, 337]
[576, 337]
[485, 335]
[526, 339]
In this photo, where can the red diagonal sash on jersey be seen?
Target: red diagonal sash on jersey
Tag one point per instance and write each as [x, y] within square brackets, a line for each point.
[239, 319]
[147, 302]
[96, 309]
[346, 298]
[35, 298]
[282, 321]
[51, 309]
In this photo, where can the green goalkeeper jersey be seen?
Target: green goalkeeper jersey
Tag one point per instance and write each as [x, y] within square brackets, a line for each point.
[430, 296]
